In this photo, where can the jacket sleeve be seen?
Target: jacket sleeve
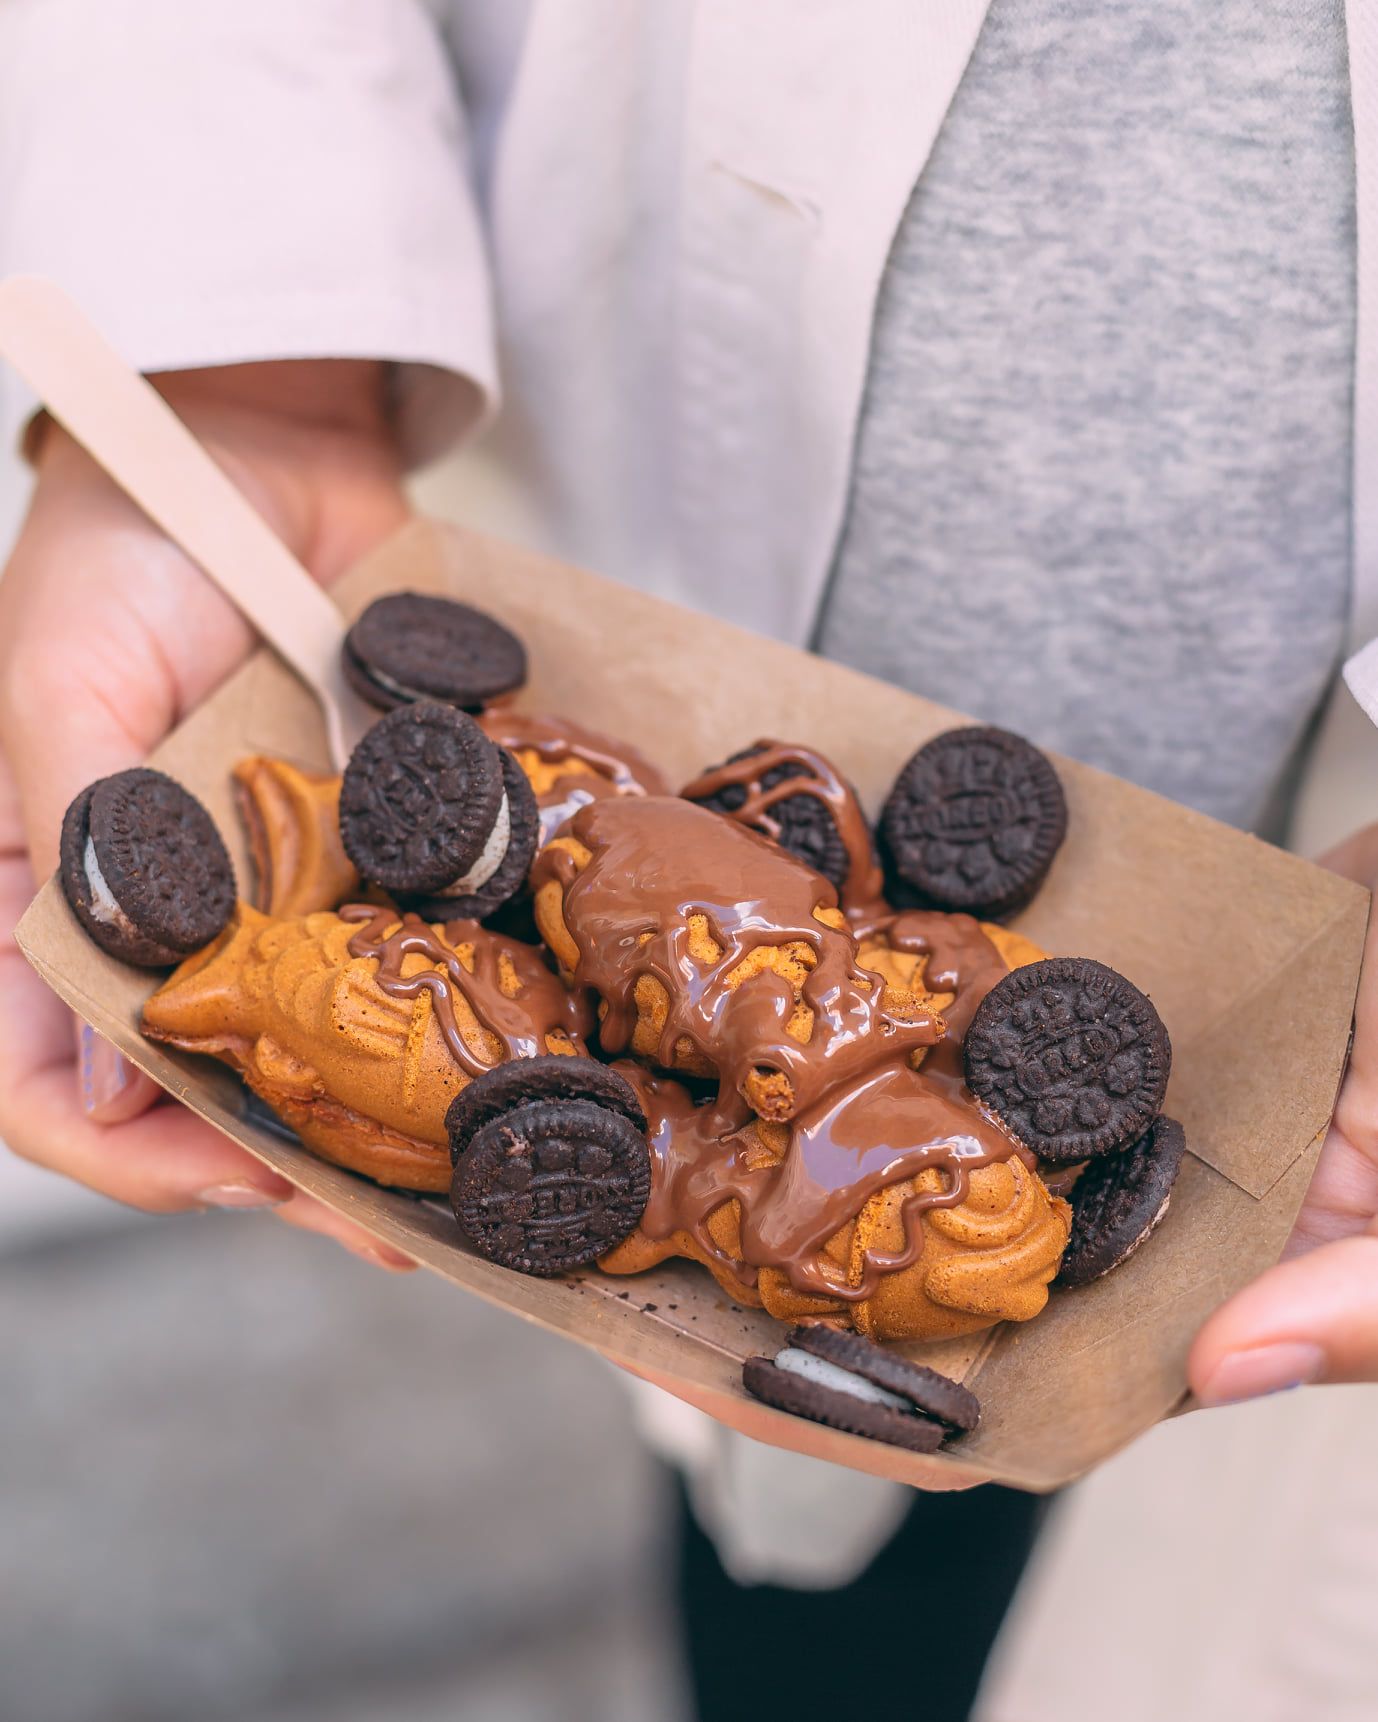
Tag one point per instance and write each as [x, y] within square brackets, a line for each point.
[217, 181]
[1361, 673]
[774, 1517]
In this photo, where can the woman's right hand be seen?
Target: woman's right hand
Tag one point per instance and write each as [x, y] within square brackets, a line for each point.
[109, 636]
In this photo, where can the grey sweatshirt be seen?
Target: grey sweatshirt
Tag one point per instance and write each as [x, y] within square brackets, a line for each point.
[1102, 481]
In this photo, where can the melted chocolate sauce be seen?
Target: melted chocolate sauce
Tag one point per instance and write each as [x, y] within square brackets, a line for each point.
[961, 960]
[614, 769]
[544, 1005]
[861, 890]
[657, 862]
[894, 1125]
[863, 1117]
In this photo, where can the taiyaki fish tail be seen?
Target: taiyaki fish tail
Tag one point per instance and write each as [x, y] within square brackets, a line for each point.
[291, 817]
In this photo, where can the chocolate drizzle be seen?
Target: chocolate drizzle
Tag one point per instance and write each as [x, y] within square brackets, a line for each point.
[543, 1005]
[861, 890]
[888, 1128]
[613, 769]
[961, 961]
[863, 1117]
[661, 861]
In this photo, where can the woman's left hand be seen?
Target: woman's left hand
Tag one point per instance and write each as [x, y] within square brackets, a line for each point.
[1314, 1317]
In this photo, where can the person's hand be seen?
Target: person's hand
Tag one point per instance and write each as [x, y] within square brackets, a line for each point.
[108, 636]
[1314, 1317]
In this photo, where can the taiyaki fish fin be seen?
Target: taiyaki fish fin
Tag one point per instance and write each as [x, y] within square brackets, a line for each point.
[413, 1056]
[375, 1024]
[277, 1072]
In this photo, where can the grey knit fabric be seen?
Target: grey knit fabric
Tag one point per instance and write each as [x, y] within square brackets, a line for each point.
[1102, 479]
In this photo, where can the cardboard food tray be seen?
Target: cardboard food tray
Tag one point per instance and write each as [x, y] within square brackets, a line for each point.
[1251, 955]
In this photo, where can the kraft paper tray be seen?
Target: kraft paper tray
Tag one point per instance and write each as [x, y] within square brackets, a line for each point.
[1251, 955]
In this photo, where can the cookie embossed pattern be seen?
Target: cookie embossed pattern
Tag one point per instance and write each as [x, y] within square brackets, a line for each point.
[1197, 918]
[1072, 1056]
[974, 821]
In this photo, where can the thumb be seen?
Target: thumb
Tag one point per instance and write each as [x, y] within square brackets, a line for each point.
[1314, 1318]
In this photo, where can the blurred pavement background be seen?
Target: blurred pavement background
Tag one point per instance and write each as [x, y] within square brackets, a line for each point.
[243, 1475]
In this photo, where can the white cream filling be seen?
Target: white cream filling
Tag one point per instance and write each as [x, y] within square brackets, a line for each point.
[103, 905]
[400, 689]
[1144, 1235]
[825, 1374]
[494, 853]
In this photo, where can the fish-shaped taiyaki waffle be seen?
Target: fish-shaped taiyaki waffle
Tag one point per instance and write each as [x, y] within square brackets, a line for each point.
[359, 1028]
[897, 1207]
[841, 1170]
[931, 1272]
[719, 955]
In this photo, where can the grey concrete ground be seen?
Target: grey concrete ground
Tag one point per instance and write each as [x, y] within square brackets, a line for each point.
[243, 1476]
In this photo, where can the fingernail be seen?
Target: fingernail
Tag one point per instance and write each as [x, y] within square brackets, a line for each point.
[381, 1256]
[244, 1195]
[1263, 1369]
[104, 1075]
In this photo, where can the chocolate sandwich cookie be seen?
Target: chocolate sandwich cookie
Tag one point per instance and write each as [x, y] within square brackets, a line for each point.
[936, 1396]
[410, 646]
[144, 869]
[804, 823]
[423, 806]
[549, 1076]
[974, 821]
[1118, 1200]
[553, 1181]
[524, 829]
[1071, 1056]
[848, 1388]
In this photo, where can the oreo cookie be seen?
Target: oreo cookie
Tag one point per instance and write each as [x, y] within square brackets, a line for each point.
[807, 828]
[974, 821]
[549, 1076]
[552, 1184]
[1118, 1200]
[845, 1382]
[936, 1396]
[523, 835]
[423, 805]
[411, 646]
[1071, 1056]
[144, 868]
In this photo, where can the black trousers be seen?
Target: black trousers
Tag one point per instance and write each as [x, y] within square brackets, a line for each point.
[908, 1638]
